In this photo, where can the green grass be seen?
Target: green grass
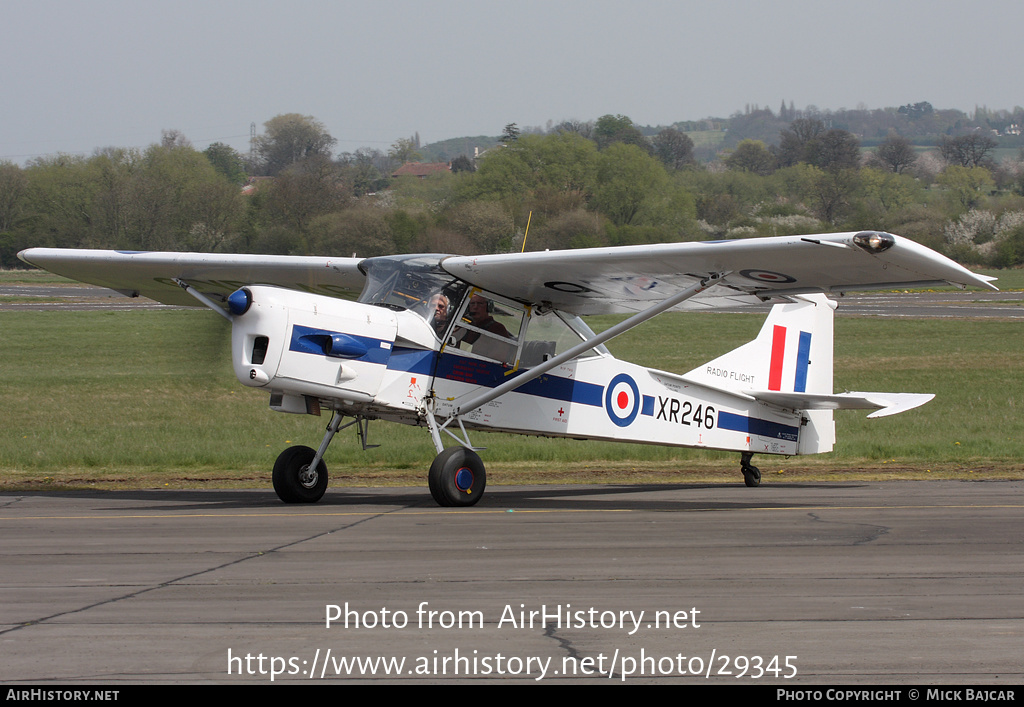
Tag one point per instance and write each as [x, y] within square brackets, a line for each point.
[1008, 279]
[33, 277]
[149, 398]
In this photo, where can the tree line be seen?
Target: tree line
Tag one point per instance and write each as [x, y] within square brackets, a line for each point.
[577, 183]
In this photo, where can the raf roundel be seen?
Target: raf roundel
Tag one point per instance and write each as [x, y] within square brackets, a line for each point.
[622, 400]
[767, 276]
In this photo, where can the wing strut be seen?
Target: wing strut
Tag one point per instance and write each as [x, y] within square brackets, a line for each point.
[626, 325]
[201, 297]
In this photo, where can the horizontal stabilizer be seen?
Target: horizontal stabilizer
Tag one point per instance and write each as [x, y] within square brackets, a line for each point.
[884, 403]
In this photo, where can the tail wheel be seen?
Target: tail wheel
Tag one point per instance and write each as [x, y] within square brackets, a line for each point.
[457, 477]
[751, 474]
[295, 481]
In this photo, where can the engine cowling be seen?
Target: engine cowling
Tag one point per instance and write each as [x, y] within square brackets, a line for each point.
[301, 344]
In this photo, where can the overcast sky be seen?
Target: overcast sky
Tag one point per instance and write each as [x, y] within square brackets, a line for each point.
[82, 74]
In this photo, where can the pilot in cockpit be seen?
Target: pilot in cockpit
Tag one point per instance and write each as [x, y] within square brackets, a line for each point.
[438, 313]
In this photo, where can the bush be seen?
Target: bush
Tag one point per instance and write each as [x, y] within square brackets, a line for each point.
[1009, 250]
[487, 224]
[363, 232]
[572, 229]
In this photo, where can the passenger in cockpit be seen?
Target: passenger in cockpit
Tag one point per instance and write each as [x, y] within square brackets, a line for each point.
[438, 313]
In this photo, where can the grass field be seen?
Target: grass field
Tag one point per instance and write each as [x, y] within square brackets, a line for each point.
[148, 399]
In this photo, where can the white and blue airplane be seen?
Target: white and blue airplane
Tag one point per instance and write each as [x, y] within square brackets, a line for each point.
[495, 342]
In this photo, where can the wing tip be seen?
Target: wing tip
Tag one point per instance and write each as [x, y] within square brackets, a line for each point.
[986, 281]
[27, 254]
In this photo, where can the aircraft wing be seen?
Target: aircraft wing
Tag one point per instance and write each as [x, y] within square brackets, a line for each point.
[586, 281]
[152, 274]
[630, 278]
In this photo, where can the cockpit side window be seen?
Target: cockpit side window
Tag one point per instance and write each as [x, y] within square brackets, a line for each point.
[551, 333]
[489, 327]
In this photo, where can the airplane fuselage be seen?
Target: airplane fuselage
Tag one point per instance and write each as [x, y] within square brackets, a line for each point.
[312, 351]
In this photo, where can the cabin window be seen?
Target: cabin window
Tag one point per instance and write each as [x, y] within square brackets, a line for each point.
[550, 334]
[489, 327]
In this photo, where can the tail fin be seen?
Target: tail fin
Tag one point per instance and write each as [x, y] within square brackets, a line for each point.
[791, 357]
[791, 354]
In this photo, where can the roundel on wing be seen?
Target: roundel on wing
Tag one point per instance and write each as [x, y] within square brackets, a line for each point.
[767, 276]
[572, 288]
[622, 400]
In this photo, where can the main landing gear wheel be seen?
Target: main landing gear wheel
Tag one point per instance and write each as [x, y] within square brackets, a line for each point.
[751, 474]
[457, 477]
[294, 481]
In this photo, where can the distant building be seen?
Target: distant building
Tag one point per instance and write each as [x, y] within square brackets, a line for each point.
[421, 169]
[254, 184]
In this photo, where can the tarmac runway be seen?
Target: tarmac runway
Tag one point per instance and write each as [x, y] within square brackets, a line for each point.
[911, 583]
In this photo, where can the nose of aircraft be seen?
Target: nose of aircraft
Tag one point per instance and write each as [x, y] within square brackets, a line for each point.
[239, 301]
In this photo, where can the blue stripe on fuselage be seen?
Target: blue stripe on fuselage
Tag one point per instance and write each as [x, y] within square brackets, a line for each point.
[412, 361]
[490, 375]
[756, 426]
[377, 350]
[648, 406]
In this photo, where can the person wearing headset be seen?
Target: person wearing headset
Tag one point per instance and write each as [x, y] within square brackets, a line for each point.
[479, 312]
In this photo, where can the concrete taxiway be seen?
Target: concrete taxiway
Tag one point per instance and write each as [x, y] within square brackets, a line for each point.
[883, 583]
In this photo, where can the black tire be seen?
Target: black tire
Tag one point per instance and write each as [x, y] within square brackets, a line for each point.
[751, 476]
[292, 480]
[457, 477]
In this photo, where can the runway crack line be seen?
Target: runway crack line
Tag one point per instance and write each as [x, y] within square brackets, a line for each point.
[171, 582]
[876, 531]
[11, 502]
[563, 643]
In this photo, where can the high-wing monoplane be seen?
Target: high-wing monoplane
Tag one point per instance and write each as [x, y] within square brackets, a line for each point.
[496, 342]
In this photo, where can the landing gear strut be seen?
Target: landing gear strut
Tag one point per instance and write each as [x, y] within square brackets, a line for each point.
[751, 474]
[457, 477]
